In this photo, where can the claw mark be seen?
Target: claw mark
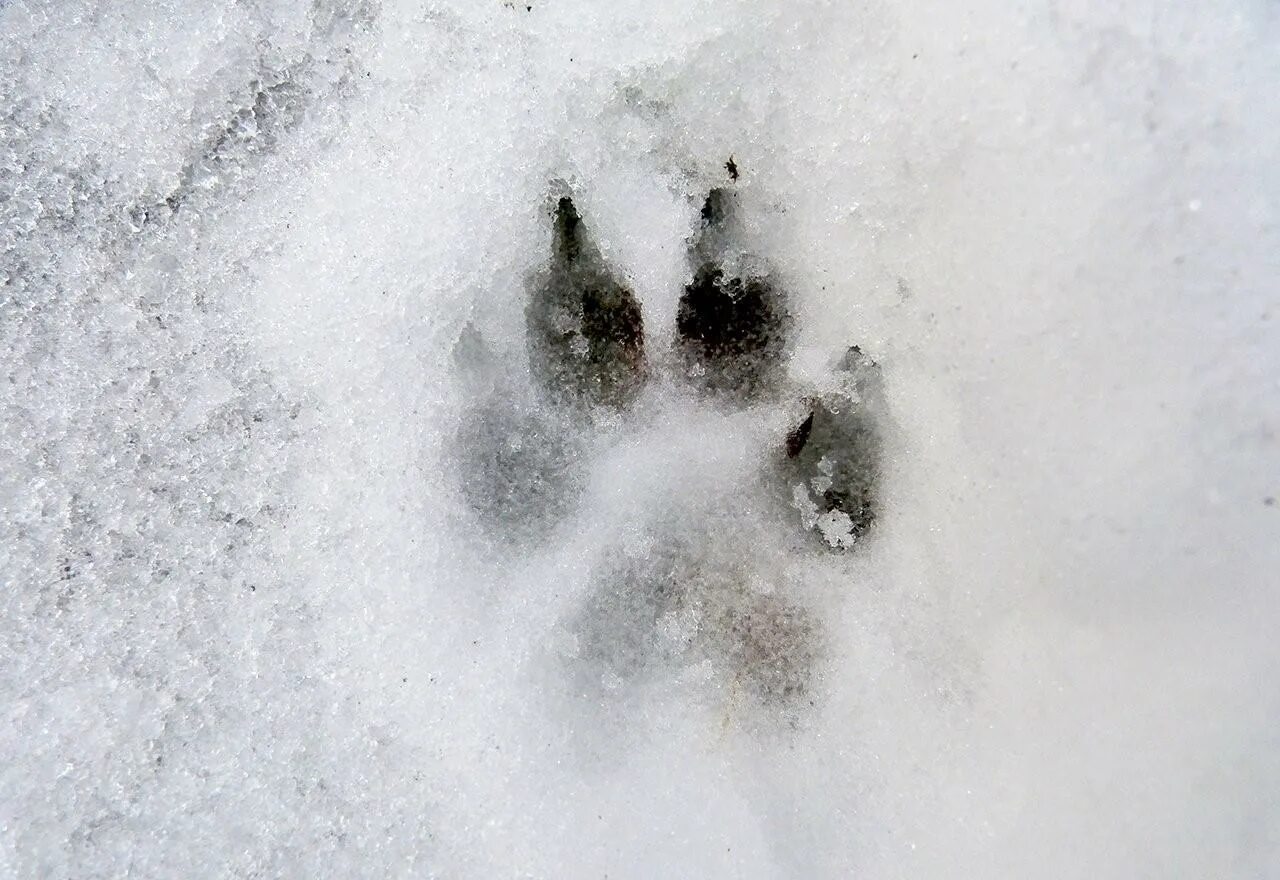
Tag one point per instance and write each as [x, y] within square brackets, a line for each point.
[799, 436]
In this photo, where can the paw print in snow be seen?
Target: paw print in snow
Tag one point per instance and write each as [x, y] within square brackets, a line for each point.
[696, 592]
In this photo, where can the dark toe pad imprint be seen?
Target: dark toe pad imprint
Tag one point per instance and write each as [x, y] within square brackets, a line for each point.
[832, 467]
[518, 464]
[586, 338]
[732, 319]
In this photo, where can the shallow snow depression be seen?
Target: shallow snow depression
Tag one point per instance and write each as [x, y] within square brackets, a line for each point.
[432, 443]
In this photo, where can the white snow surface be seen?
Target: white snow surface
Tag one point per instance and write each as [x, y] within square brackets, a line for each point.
[250, 627]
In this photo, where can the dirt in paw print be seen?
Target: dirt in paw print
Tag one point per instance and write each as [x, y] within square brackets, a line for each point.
[739, 469]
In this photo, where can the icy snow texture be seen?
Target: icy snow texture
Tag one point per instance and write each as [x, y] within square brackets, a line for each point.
[250, 627]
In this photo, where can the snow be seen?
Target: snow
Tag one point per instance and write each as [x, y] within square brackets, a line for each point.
[263, 263]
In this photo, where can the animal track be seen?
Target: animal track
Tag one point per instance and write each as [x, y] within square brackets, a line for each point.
[689, 597]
